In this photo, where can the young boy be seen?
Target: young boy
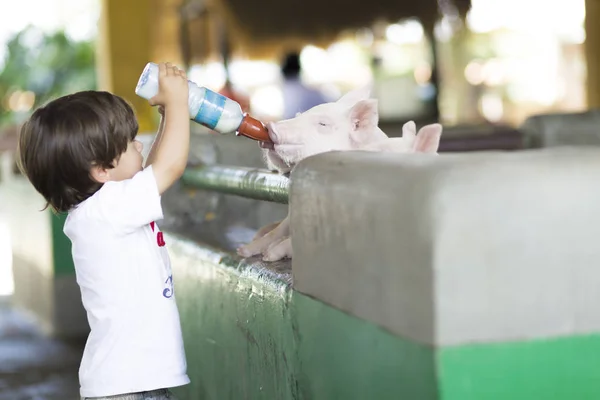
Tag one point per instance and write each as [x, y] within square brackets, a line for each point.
[80, 153]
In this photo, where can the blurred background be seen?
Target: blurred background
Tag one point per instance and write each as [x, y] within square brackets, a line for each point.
[504, 62]
[479, 67]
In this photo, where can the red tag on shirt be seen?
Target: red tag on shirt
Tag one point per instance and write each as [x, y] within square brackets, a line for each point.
[160, 240]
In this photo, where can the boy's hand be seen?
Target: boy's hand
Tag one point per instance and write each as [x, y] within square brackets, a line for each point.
[172, 87]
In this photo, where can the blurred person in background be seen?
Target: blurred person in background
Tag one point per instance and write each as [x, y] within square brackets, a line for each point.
[297, 97]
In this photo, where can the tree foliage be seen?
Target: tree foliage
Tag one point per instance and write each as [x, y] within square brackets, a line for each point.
[49, 65]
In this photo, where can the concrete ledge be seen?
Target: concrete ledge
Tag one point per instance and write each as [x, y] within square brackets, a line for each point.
[565, 129]
[247, 335]
[453, 249]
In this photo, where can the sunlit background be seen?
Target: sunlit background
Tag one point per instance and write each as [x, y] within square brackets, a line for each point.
[514, 67]
[502, 69]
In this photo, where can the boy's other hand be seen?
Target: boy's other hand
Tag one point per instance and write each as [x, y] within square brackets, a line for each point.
[172, 87]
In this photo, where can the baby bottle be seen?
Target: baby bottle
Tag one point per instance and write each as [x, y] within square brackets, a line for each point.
[207, 108]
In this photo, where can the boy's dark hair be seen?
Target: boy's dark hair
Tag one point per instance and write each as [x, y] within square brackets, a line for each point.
[63, 140]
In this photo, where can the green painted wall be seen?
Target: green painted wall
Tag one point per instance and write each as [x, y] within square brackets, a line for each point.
[61, 246]
[558, 369]
[249, 336]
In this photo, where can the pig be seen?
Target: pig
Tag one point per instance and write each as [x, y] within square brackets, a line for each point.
[349, 124]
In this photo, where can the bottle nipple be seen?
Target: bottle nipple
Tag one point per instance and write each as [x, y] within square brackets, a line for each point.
[253, 129]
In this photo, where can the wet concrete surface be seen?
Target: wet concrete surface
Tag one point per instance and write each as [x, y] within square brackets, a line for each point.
[33, 366]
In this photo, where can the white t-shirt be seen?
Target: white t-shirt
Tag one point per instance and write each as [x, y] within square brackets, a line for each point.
[124, 273]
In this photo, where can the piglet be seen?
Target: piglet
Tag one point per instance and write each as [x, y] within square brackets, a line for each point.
[351, 123]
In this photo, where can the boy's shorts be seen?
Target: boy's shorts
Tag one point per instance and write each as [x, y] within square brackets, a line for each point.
[161, 394]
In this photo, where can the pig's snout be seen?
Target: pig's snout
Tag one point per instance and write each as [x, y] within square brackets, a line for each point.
[282, 133]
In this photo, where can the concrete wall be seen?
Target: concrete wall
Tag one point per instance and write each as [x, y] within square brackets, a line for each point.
[453, 249]
[248, 335]
[562, 129]
[468, 276]
[42, 268]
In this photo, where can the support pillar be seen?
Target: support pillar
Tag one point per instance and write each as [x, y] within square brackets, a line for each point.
[592, 52]
[124, 48]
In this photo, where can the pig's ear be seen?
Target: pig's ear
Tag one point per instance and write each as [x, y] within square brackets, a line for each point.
[428, 139]
[409, 133]
[354, 96]
[364, 117]
[409, 130]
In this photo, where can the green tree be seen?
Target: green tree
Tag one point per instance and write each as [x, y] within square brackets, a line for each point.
[49, 65]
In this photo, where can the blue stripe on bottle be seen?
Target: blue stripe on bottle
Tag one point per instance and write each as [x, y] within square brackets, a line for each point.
[211, 109]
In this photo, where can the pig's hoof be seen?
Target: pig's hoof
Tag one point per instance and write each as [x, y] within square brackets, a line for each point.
[244, 252]
[278, 251]
[271, 257]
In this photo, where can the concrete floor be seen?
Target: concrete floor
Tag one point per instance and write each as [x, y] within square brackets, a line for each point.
[32, 366]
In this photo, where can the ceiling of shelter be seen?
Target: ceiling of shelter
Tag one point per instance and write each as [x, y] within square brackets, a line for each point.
[259, 27]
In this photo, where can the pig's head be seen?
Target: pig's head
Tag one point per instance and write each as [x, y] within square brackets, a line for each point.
[347, 124]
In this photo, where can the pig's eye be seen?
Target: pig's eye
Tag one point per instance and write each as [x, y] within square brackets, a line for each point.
[324, 123]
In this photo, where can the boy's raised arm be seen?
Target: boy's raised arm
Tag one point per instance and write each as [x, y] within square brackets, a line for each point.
[157, 138]
[170, 151]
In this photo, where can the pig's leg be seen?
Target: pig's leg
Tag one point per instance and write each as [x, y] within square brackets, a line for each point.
[265, 229]
[279, 251]
[261, 244]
